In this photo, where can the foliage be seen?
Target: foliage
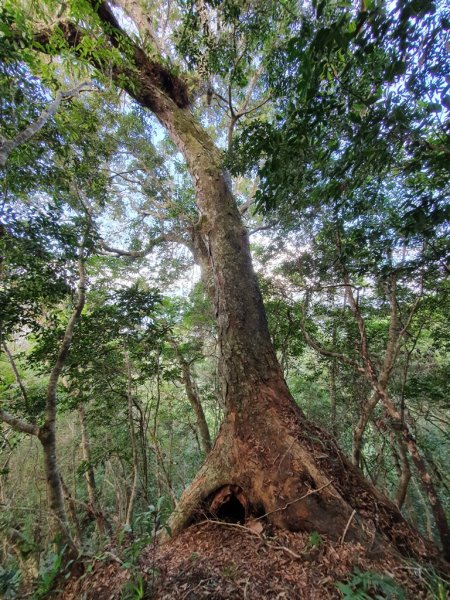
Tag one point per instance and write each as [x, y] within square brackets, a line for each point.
[134, 590]
[10, 579]
[50, 570]
[367, 584]
[342, 119]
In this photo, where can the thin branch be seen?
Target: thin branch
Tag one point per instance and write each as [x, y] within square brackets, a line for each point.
[347, 526]
[315, 346]
[164, 237]
[251, 86]
[67, 339]
[226, 524]
[244, 207]
[309, 493]
[263, 228]
[254, 108]
[230, 102]
[412, 312]
[370, 370]
[7, 146]
[393, 340]
[16, 372]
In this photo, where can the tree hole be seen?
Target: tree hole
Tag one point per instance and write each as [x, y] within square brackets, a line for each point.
[231, 511]
[229, 504]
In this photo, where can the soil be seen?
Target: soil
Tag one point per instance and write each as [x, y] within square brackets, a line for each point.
[225, 561]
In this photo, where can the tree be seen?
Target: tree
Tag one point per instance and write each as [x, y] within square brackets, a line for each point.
[43, 265]
[46, 432]
[276, 461]
[371, 179]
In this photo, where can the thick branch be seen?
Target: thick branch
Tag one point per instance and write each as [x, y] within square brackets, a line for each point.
[194, 400]
[148, 71]
[361, 425]
[18, 424]
[369, 367]
[142, 20]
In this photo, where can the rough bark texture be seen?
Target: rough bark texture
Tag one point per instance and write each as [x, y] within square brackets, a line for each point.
[266, 446]
[286, 468]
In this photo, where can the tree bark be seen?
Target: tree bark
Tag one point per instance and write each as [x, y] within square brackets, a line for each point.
[379, 384]
[273, 459]
[360, 428]
[265, 446]
[89, 475]
[194, 400]
[8, 145]
[47, 432]
[71, 502]
[134, 453]
[403, 469]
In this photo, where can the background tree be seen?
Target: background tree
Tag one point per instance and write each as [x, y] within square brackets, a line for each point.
[146, 197]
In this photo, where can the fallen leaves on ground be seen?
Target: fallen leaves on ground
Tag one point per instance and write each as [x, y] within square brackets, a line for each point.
[221, 561]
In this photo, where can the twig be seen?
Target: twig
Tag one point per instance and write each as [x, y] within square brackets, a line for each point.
[275, 546]
[15, 371]
[310, 493]
[225, 524]
[285, 454]
[285, 549]
[113, 556]
[193, 589]
[347, 526]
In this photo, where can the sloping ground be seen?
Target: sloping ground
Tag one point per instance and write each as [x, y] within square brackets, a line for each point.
[222, 561]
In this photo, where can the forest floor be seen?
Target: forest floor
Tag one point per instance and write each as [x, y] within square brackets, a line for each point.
[222, 561]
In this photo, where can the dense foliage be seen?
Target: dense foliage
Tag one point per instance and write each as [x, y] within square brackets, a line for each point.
[334, 124]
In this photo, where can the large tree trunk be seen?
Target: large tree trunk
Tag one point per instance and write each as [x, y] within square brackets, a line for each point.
[276, 462]
[268, 459]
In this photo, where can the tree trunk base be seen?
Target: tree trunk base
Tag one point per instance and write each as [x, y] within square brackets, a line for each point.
[270, 462]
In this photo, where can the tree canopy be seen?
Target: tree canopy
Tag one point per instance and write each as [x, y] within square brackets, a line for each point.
[224, 265]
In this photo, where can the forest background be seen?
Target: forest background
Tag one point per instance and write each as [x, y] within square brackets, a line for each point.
[332, 124]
